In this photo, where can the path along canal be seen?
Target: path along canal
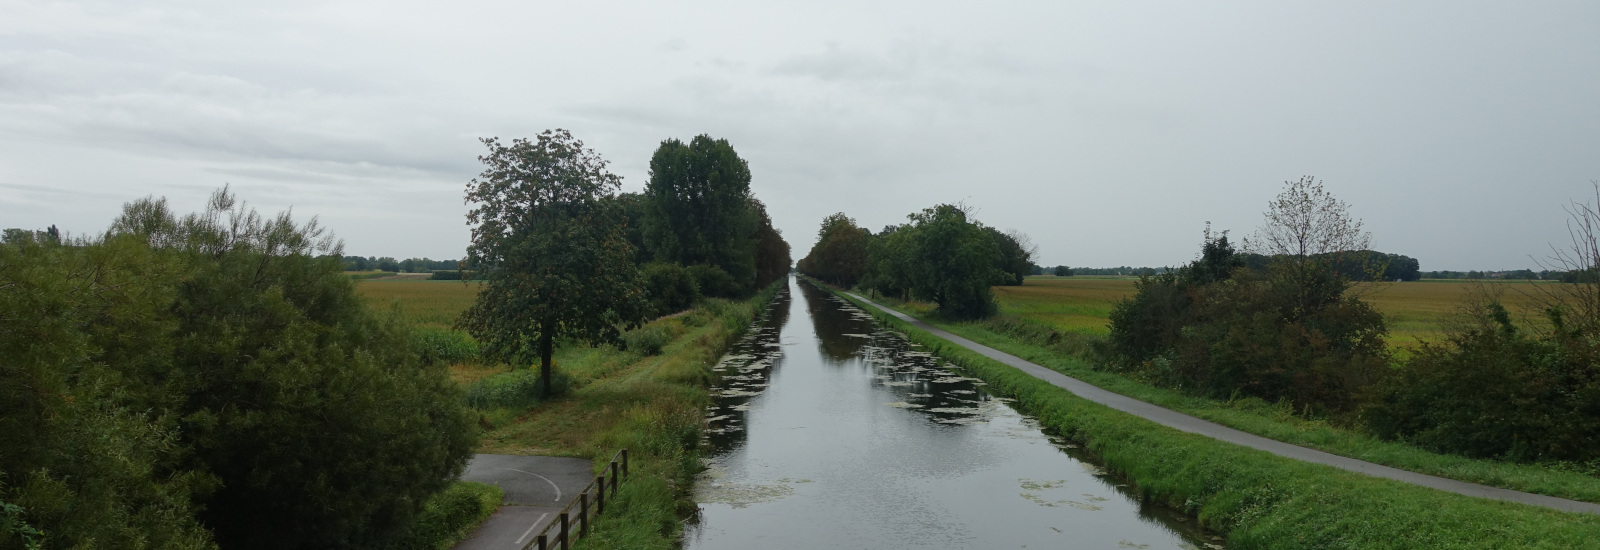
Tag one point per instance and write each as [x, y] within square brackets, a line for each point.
[830, 431]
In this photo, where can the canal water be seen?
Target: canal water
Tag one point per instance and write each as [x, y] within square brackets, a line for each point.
[830, 431]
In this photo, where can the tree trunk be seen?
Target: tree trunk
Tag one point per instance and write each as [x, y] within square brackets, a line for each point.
[545, 345]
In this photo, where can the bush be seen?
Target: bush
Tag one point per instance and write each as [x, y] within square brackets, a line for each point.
[713, 281]
[518, 389]
[1492, 391]
[219, 367]
[671, 288]
[450, 515]
[647, 340]
[1219, 329]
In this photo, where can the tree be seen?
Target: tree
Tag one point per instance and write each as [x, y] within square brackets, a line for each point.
[772, 252]
[1016, 254]
[698, 209]
[953, 262]
[840, 254]
[555, 260]
[1062, 271]
[1308, 233]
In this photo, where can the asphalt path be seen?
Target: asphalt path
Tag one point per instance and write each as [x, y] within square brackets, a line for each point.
[1186, 423]
[536, 488]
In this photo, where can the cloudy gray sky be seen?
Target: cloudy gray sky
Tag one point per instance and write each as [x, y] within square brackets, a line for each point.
[1109, 132]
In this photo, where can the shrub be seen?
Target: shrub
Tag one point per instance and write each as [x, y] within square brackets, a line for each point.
[520, 388]
[218, 367]
[1493, 391]
[713, 281]
[671, 288]
[449, 515]
[647, 340]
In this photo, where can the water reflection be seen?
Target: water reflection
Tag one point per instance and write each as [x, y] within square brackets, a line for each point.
[863, 440]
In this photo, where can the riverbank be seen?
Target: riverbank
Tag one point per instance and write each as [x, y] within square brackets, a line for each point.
[652, 405]
[1260, 500]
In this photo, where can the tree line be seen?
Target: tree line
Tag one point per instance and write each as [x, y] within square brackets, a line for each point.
[408, 265]
[940, 255]
[211, 380]
[564, 254]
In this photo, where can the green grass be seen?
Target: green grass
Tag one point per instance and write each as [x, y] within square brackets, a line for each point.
[1257, 499]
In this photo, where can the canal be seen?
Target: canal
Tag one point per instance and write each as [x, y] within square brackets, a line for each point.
[830, 431]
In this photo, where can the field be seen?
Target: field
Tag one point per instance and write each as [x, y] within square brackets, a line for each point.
[428, 303]
[1416, 311]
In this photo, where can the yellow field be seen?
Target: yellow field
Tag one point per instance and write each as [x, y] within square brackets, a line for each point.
[434, 303]
[1415, 311]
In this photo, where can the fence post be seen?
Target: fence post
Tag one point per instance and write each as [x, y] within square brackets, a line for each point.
[543, 541]
[600, 495]
[624, 463]
[583, 514]
[565, 545]
[613, 478]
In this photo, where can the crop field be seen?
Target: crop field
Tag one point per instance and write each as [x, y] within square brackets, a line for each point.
[429, 303]
[1416, 311]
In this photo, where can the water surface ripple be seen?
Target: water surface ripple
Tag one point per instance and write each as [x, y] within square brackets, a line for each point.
[839, 433]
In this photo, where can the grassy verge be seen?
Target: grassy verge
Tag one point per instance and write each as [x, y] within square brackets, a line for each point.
[652, 405]
[1260, 500]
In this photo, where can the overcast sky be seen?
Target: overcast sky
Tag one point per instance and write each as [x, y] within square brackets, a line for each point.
[1109, 132]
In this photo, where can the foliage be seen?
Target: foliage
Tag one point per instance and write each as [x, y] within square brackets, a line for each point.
[1493, 390]
[554, 258]
[1286, 332]
[671, 288]
[698, 208]
[772, 252]
[1061, 271]
[1016, 254]
[840, 254]
[450, 515]
[219, 367]
[713, 281]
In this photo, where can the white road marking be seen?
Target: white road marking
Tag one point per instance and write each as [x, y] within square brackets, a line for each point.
[530, 528]
[546, 480]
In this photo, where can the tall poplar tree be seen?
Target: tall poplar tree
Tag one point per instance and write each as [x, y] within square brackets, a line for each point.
[698, 208]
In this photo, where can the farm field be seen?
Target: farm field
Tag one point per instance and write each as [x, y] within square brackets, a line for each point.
[428, 303]
[1416, 311]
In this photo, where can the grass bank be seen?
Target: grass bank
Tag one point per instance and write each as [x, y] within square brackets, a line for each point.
[653, 405]
[1260, 500]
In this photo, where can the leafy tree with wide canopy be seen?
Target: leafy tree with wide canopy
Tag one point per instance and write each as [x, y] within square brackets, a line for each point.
[555, 259]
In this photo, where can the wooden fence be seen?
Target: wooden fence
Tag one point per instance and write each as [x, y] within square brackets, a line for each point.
[618, 472]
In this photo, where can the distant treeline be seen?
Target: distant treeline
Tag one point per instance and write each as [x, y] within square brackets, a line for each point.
[1363, 265]
[1517, 274]
[408, 265]
[941, 255]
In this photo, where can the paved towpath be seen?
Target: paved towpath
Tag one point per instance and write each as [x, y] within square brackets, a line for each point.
[536, 488]
[1186, 423]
